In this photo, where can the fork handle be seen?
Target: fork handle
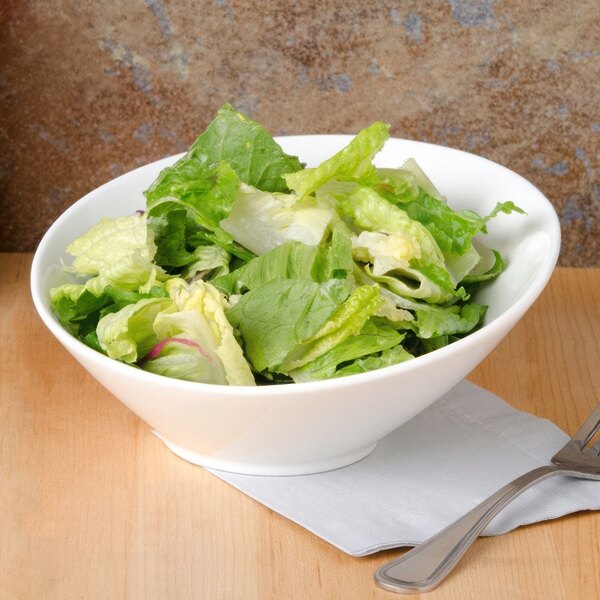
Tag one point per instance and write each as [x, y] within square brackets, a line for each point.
[426, 565]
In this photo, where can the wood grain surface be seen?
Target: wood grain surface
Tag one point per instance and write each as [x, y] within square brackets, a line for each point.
[93, 506]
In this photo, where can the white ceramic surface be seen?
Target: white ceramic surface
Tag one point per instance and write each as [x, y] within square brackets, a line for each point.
[305, 428]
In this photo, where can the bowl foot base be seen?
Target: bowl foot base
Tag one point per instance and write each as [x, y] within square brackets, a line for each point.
[267, 469]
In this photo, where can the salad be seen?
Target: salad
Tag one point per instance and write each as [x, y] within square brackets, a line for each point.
[245, 267]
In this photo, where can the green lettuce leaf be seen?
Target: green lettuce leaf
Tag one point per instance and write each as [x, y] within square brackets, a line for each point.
[79, 310]
[293, 260]
[507, 208]
[206, 190]
[421, 180]
[433, 321]
[387, 358]
[497, 267]
[347, 320]
[119, 252]
[411, 284]
[191, 317]
[75, 307]
[459, 265]
[128, 334]
[352, 162]
[208, 262]
[181, 358]
[385, 251]
[261, 221]
[405, 184]
[371, 339]
[171, 232]
[452, 230]
[368, 210]
[208, 238]
[393, 261]
[247, 148]
[440, 277]
[200, 316]
[436, 321]
[396, 185]
[278, 316]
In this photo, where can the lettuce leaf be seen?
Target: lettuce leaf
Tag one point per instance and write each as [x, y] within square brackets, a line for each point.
[368, 210]
[372, 338]
[453, 231]
[347, 320]
[247, 148]
[171, 231]
[385, 251]
[119, 252]
[459, 265]
[411, 189]
[433, 321]
[352, 162]
[293, 260]
[208, 262]
[472, 279]
[440, 277]
[261, 221]
[193, 315]
[182, 358]
[411, 283]
[437, 321]
[396, 185]
[200, 316]
[206, 190]
[128, 334]
[277, 317]
[405, 184]
[393, 356]
[79, 310]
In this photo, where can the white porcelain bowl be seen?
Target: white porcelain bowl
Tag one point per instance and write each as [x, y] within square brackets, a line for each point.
[305, 428]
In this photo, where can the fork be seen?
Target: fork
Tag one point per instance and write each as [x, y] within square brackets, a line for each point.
[426, 565]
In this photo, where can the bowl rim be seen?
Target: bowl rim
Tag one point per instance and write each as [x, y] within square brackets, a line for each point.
[491, 329]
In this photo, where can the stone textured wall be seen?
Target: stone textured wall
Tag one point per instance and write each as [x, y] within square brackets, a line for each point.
[89, 90]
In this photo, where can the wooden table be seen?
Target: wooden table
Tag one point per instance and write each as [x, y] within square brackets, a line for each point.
[94, 506]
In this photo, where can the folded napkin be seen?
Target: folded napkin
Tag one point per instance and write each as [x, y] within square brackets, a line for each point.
[426, 474]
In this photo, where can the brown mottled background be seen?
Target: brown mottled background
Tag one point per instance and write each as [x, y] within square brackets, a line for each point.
[89, 90]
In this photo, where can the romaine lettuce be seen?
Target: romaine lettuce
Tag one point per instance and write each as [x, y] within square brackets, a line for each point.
[206, 191]
[275, 318]
[193, 312]
[246, 261]
[371, 339]
[352, 162]
[128, 334]
[183, 358]
[293, 260]
[119, 252]
[247, 148]
[387, 358]
[347, 320]
[208, 262]
[261, 221]
[200, 316]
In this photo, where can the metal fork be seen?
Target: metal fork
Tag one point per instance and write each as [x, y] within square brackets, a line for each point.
[426, 565]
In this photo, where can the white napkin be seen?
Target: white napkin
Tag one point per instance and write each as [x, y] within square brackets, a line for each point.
[428, 473]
